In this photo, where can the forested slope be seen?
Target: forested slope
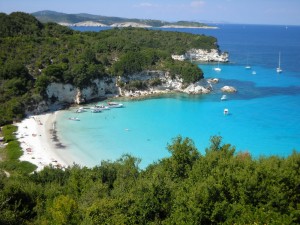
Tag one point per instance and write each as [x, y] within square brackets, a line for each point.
[220, 187]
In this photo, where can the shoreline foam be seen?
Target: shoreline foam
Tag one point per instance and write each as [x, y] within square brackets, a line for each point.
[40, 145]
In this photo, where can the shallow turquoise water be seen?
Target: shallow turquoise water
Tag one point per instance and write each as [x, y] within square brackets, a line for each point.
[264, 114]
[264, 118]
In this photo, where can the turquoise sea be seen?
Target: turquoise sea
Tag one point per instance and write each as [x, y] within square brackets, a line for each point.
[264, 114]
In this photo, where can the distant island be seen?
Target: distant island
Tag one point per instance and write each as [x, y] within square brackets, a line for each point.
[83, 19]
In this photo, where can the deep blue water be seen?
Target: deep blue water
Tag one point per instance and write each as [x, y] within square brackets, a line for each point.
[264, 114]
[259, 43]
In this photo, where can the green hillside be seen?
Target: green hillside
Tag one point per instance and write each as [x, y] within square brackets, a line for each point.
[34, 54]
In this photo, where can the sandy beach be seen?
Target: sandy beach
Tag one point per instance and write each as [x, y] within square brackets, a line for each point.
[37, 135]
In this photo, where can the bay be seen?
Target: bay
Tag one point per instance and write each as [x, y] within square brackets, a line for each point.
[264, 114]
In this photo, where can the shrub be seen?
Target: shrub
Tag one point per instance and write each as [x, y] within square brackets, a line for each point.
[155, 82]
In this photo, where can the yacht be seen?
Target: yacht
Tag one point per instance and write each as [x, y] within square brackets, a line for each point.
[248, 67]
[218, 69]
[101, 107]
[278, 69]
[80, 110]
[114, 105]
[226, 111]
[74, 118]
[96, 110]
[224, 97]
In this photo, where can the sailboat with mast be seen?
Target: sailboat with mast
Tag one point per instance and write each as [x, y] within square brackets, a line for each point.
[278, 69]
[247, 66]
[218, 69]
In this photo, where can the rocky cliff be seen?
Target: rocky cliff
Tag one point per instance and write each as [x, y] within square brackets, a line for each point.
[68, 93]
[109, 87]
[201, 55]
[59, 94]
[136, 85]
[166, 84]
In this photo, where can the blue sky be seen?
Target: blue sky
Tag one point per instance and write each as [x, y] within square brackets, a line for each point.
[285, 12]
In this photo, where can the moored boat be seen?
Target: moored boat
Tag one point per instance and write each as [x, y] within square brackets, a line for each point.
[248, 67]
[278, 69]
[80, 110]
[224, 97]
[114, 105]
[101, 107]
[96, 110]
[74, 118]
[218, 69]
[226, 111]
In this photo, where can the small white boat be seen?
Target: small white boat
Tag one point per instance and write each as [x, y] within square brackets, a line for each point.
[80, 110]
[226, 111]
[101, 107]
[278, 69]
[224, 97]
[74, 119]
[248, 67]
[218, 69]
[96, 110]
[114, 105]
[253, 72]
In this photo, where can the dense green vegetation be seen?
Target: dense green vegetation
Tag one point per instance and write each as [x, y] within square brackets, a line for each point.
[51, 16]
[220, 187]
[11, 153]
[33, 54]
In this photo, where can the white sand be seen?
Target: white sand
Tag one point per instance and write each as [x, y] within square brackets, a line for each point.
[34, 134]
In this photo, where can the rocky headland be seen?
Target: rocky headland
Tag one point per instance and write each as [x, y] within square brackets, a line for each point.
[130, 24]
[127, 24]
[228, 89]
[152, 82]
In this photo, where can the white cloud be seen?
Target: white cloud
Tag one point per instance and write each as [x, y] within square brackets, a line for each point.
[145, 5]
[275, 10]
[197, 4]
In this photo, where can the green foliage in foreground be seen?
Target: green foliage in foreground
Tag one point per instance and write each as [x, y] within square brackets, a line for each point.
[220, 187]
[12, 152]
[8, 132]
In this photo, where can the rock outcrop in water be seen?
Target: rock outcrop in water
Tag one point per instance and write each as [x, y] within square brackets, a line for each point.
[228, 89]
